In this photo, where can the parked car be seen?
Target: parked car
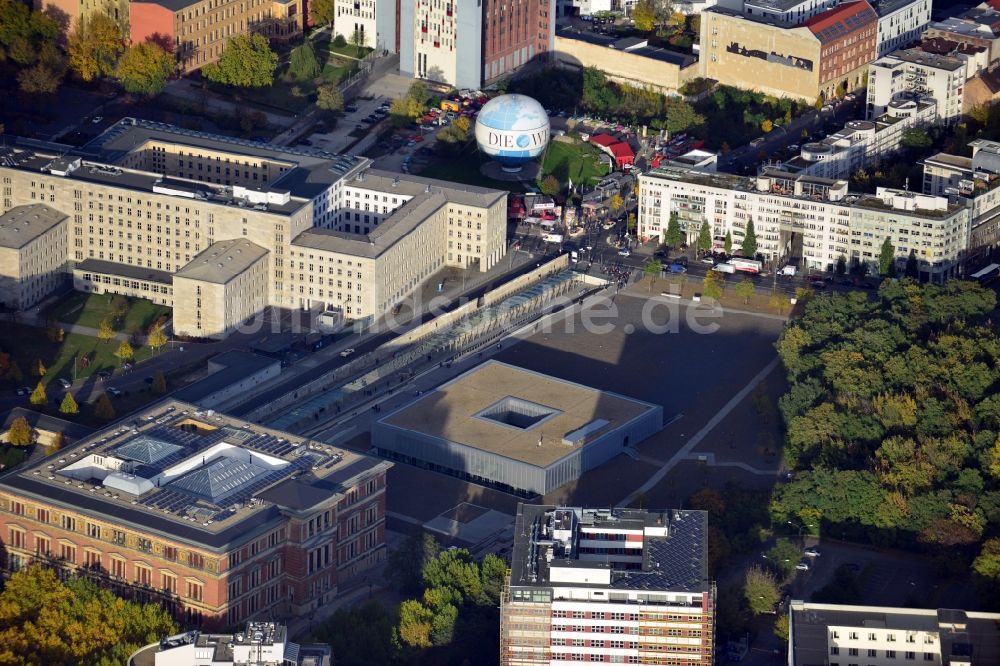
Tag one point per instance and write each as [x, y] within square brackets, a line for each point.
[347, 352]
[802, 566]
[113, 392]
[104, 375]
[625, 252]
[65, 383]
[24, 390]
[148, 379]
[350, 108]
[707, 260]
[811, 552]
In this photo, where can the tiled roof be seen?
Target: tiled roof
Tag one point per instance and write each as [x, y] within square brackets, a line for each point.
[841, 20]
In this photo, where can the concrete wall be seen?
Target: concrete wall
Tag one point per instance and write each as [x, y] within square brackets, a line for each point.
[730, 46]
[623, 67]
[523, 282]
[467, 462]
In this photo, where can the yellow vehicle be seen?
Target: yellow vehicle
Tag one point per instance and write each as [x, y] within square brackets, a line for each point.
[450, 105]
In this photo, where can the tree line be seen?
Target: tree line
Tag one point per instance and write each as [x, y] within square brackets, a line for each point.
[451, 611]
[44, 620]
[893, 420]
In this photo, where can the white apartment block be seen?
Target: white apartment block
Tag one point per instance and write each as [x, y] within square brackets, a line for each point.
[841, 635]
[374, 22]
[787, 12]
[900, 23]
[582, 7]
[814, 220]
[862, 142]
[220, 228]
[618, 586]
[976, 180]
[913, 71]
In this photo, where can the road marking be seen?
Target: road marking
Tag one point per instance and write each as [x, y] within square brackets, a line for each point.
[701, 434]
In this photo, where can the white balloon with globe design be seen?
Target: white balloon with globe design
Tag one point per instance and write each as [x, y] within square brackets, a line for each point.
[512, 129]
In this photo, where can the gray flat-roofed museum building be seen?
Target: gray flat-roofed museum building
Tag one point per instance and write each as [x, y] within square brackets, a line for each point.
[514, 429]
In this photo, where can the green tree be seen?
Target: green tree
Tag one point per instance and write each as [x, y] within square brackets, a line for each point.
[104, 410]
[766, 126]
[672, 238]
[39, 369]
[711, 285]
[818, 104]
[329, 98]
[886, 257]
[359, 38]
[840, 91]
[20, 432]
[156, 338]
[745, 290]
[841, 268]
[644, 15]
[493, 572]
[727, 246]
[781, 627]
[145, 68]
[912, 265]
[916, 138]
[987, 563]
[125, 351]
[69, 405]
[46, 621]
[246, 62]
[323, 12]
[406, 563]
[415, 624]
[105, 333]
[95, 46]
[760, 589]
[783, 556]
[38, 396]
[749, 247]
[159, 385]
[705, 238]
[652, 269]
[303, 64]
[681, 116]
[549, 185]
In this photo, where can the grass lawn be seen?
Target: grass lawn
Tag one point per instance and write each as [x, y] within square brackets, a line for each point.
[578, 161]
[91, 309]
[27, 344]
[350, 50]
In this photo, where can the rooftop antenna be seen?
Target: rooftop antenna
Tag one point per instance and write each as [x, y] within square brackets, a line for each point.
[906, 184]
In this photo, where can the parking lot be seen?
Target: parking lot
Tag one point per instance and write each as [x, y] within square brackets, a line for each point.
[887, 577]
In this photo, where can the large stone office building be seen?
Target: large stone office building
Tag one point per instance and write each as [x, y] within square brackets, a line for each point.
[223, 520]
[220, 228]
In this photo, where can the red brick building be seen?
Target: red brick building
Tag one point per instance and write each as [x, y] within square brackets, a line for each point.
[196, 30]
[848, 35]
[222, 520]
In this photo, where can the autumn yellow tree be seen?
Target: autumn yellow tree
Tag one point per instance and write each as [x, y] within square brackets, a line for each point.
[46, 621]
[95, 47]
[157, 338]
